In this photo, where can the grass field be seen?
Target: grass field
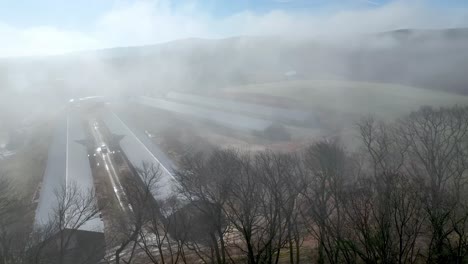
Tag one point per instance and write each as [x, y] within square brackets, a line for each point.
[355, 98]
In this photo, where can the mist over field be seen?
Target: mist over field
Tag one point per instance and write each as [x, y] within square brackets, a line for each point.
[204, 131]
[432, 59]
[152, 48]
[403, 42]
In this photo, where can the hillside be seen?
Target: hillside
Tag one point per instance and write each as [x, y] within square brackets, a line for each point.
[433, 59]
[351, 99]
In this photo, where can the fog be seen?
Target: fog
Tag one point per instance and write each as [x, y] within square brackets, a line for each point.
[152, 47]
[256, 130]
[146, 22]
[433, 59]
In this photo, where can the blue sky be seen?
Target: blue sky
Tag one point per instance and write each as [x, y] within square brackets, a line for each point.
[32, 27]
[80, 14]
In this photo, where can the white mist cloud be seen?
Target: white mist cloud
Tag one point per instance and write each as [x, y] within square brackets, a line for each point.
[42, 40]
[148, 22]
[397, 15]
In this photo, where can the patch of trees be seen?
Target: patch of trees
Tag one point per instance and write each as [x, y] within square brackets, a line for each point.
[401, 198]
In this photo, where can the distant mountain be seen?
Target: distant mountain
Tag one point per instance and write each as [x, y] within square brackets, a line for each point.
[436, 59]
[452, 34]
[433, 59]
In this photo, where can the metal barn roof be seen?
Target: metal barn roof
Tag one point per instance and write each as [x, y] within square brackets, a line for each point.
[139, 150]
[67, 165]
[271, 113]
[229, 120]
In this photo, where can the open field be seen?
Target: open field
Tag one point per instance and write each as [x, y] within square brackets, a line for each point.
[353, 99]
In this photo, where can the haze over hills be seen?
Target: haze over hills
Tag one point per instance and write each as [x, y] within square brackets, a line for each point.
[266, 131]
[433, 59]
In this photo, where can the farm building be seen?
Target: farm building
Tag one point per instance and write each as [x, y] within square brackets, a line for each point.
[139, 150]
[225, 119]
[67, 172]
[276, 114]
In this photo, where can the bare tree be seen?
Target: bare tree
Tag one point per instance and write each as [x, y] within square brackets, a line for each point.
[166, 233]
[140, 203]
[75, 208]
[157, 219]
[14, 225]
[324, 181]
[205, 183]
[252, 199]
[55, 241]
[250, 209]
[437, 144]
[279, 174]
[396, 209]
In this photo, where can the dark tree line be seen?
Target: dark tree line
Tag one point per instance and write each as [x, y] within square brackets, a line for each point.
[400, 198]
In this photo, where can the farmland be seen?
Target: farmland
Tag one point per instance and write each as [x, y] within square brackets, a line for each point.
[354, 98]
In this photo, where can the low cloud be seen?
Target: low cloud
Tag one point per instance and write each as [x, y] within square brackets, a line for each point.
[43, 40]
[149, 22]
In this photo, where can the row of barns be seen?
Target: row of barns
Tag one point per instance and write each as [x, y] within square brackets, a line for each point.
[234, 115]
[68, 165]
[69, 169]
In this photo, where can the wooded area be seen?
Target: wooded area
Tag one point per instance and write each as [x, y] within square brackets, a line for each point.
[402, 198]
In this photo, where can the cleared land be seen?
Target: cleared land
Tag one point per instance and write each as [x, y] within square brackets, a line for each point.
[338, 105]
[354, 98]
